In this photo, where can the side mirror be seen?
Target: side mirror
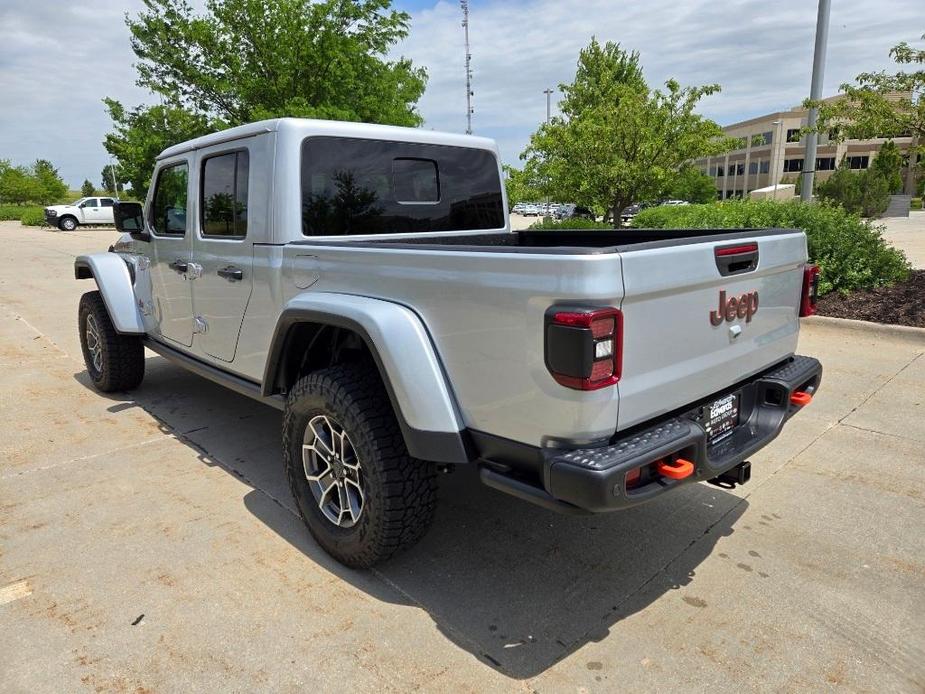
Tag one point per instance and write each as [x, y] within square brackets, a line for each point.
[130, 218]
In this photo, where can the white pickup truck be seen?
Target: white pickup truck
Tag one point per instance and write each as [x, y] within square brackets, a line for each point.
[365, 280]
[92, 211]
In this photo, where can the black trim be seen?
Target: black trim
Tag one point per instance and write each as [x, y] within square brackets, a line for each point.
[82, 270]
[594, 477]
[434, 446]
[565, 242]
[238, 384]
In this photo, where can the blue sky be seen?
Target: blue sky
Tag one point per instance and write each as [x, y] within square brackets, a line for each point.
[761, 54]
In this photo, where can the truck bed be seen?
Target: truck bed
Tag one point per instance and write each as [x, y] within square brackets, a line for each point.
[567, 241]
[483, 298]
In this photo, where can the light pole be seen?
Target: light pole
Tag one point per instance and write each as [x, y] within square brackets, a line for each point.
[548, 92]
[815, 93]
[774, 145]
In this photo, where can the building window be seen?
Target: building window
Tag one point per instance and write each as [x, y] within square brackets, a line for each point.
[765, 138]
[858, 162]
[719, 171]
[752, 167]
[793, 135]
[765, 166]
[793, 165]
[825, 164]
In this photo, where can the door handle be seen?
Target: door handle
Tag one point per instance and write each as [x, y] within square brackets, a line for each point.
[231, 273]
[178, 265]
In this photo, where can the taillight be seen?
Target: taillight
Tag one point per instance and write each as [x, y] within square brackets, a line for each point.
[810, 290]
[584, 346]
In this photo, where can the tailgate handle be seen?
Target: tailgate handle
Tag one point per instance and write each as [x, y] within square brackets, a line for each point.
[734, 260]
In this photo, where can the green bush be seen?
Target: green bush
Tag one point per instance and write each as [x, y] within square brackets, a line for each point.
[850, 251]
[916, 204]
[570, 223]
[866, 193]
[34, 217]
[15, 212]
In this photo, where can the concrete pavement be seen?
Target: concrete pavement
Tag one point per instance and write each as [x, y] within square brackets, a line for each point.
[148, 543]
[908, 233]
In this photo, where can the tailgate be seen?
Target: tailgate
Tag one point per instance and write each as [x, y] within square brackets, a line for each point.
[674, 351]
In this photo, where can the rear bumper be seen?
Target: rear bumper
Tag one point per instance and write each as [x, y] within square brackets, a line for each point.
[594, 479]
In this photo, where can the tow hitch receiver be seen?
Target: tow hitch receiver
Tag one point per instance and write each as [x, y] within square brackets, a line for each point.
[740, 474]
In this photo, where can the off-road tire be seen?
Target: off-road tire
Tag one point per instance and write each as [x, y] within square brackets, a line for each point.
[67, 223]
[399, 491]
[122, 359]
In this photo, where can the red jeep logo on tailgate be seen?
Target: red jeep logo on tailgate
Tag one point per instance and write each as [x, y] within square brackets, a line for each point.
[744, 306]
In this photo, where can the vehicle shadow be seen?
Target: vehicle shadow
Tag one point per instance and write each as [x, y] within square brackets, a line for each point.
[518, 587]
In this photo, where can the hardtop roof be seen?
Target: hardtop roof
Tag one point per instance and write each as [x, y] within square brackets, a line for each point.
[305, 127]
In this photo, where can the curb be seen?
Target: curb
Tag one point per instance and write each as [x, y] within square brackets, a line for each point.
[874, 329]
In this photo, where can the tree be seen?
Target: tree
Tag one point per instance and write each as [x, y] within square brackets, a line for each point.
[51, 188]
[110, 179]
[520, 187]
[143, 133]
[244, 60]
[87, 189]
[17, 184]
[617, 141]
[864, 193]
[887, 165]
[692, 185]
[881, 104]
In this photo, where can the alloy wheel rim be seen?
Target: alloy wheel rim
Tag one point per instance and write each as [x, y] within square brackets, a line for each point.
[332, 470]
[94, 344]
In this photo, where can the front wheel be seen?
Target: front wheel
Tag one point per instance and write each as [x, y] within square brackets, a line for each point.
[67, 224]
[361, 495]
[114, 362]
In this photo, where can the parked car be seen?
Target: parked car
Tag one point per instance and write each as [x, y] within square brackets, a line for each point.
[626, 216]
[532, 210]
[574, 212]
[674, 202]
[396, 334]
[92, 211]
[519, 208]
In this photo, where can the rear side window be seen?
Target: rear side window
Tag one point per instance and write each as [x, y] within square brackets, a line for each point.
[168, 210]
[224, 195]
[358, 186]
[105, 202]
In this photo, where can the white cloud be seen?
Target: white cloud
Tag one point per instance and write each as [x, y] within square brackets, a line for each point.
[58, 59]
[760, 53]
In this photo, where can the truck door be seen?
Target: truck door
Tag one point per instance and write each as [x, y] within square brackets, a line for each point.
[90, 208]
[170, 261]
[106, 216]
[223, 247]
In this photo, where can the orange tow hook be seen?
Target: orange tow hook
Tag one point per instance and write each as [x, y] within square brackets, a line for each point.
[677, 470]
[801, 398]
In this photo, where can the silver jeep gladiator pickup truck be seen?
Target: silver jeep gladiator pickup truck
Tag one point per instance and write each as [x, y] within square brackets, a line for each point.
[365, 280]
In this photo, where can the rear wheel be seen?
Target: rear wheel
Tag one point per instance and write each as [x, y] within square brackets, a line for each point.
[67, 224]
[361, 495]
[114, 362]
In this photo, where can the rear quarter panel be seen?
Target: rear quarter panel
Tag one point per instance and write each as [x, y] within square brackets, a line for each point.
[485, 315]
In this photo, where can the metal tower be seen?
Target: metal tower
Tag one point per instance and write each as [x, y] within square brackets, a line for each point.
[465, 23]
